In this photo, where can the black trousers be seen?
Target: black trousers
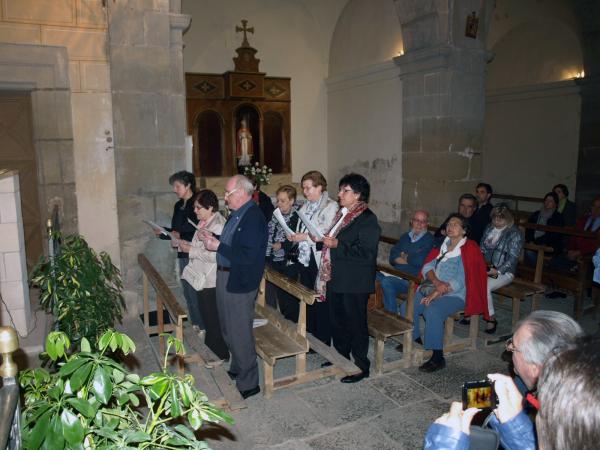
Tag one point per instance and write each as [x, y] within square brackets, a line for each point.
[317, 314]
[348, 313]
[288, 304]
[207, 304]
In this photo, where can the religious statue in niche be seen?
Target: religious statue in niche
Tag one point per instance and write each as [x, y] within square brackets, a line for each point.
[472, 25]
[244, 148]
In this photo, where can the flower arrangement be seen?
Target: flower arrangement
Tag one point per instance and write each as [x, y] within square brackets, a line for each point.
[261, 175]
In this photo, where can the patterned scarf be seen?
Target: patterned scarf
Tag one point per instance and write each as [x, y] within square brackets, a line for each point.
[347, 217]
[304, 247]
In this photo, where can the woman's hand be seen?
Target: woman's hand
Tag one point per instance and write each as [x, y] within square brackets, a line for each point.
[458, 419]
[493, 272]
[157, 232]
[211, 243]
[298, 237]
[330, 242]
[176, 234]
[276, 246]
[510, 400]
[431, 297]
[184, 246]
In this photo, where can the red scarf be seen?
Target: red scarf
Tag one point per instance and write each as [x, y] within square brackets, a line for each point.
[475, 278]
[325, 270]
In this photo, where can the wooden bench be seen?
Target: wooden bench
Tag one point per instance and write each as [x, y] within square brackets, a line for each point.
[281, 338]
[577, 282]
[384, 325]
[199, 361]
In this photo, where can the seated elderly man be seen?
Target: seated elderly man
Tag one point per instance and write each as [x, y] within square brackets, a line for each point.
[467, 207]
[408, 255]
[569, 392]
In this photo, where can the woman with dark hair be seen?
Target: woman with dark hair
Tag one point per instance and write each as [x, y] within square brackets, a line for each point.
[263, 201]
[184, 187]
[501, 246]
[565, 206]
[549, 216]
[455, 279]
[347, 272]
[320, 210]
[201, 272]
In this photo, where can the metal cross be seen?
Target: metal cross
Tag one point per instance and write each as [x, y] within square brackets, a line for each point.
[243, 28]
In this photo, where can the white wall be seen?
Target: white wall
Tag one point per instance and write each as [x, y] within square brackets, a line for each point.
[533, 106]
[365, 102]
[292, 38]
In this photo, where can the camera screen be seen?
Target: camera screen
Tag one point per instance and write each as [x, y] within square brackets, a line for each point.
[480, 397]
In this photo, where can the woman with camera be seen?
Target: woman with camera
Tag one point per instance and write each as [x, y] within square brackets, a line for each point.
[501, 246]
[320, 210]
[282, 253]
[455, 279]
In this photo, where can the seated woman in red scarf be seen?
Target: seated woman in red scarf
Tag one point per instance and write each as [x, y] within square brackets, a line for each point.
[455, 279]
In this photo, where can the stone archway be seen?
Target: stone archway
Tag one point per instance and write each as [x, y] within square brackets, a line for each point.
[44, 73]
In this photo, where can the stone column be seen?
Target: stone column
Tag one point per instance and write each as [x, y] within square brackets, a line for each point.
[148, 97]
[443, 90]
[588, 164]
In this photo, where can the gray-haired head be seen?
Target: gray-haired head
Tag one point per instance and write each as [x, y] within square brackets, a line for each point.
[569, 394]
[243, 183]
[548, 331]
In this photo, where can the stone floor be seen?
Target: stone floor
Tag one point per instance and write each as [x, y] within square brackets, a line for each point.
[391, 411]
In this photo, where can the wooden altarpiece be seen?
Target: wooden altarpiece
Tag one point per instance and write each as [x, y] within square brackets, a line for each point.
[217, 104]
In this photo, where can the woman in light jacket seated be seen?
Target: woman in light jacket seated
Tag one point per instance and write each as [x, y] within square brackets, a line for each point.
[501, 246]
[455, 279]
[201, 272]
[320, 210]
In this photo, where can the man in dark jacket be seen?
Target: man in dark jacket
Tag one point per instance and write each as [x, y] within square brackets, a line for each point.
[467, 207]
[240, 265]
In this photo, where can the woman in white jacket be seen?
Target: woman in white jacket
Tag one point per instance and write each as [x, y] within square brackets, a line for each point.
[201, 272]
[320, 210]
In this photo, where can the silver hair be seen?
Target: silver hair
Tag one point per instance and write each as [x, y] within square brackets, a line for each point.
[569, 393]
[549, 330]
[243, 183]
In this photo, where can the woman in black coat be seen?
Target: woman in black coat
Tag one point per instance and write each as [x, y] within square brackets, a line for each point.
[548, 216]
[347, 272]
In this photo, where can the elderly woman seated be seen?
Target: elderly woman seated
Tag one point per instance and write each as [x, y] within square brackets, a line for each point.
[455, 279]
[501, 245]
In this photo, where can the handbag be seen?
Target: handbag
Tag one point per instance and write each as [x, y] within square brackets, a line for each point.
[427, 287]
[196, 279]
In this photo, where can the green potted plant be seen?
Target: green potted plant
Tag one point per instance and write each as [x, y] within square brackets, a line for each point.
[93, 402]
[81, 288]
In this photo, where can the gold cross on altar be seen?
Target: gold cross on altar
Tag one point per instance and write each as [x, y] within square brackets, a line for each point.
[243, 28]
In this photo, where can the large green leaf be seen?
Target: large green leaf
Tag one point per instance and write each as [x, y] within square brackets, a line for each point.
[102, 386]
[80, 376]
[71, 366]
[71, 427]
[39, 431]
[82, 406]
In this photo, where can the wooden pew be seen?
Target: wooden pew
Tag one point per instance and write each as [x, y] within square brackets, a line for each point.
[281, 338]
[212, 379]
[577, 282]
[384, 325]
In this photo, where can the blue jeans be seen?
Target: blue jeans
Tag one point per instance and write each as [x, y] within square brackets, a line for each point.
[392, 286]
[435, 316]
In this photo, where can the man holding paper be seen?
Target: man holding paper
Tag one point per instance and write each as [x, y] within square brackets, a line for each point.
[347, 271]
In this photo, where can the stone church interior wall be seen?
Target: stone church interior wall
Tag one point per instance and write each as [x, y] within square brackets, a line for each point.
[83, 163]
[533, 105]
[365, 103]
[292, 38]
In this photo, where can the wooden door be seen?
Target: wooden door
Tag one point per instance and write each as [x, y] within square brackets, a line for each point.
[17, 152]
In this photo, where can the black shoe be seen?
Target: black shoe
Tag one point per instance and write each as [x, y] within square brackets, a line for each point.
[400, 346]
[250, 392]
[464, 321]
[491, 330]
[355, 378]
[327, 364]
[232, 375]
[556, 294]
[433, 366]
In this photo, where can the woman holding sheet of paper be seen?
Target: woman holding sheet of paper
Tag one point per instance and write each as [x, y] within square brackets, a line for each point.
[347, 271]
[282, 253]
[201, 272]
[319, 209]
